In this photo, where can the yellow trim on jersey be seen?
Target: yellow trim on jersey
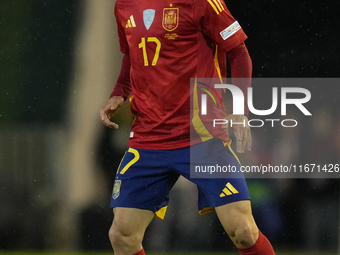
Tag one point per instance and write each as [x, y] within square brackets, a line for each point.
[133, 115]
[134, 160]
[217, 64]
[218, 4]
[160, 214]
[222, 7]
[196, 120]
[213, 6]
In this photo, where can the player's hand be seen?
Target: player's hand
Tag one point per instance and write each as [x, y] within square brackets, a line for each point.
[110, 109]
[241, 131]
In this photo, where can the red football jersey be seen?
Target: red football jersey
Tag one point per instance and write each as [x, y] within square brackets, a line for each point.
[170, 42]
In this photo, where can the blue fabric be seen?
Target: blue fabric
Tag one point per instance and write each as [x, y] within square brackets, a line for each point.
[146, 183]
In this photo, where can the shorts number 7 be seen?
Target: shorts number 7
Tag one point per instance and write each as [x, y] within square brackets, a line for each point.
[133, 161]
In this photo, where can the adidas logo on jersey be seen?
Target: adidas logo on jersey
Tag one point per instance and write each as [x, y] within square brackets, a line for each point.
[228, 190]
[131, 22]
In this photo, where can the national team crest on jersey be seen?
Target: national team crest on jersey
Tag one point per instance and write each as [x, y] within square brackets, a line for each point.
[116, 189]
[170, 18]
[148, 17]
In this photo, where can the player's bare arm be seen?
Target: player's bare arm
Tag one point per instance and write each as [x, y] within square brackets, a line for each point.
[110, 109]
[241, 130]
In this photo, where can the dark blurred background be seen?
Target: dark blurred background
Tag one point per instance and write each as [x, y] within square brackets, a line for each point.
[57, 162]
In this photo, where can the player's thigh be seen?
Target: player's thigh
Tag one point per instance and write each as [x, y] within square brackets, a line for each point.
[144, 181]
[235, 216]
[215, 191]
[131, 221]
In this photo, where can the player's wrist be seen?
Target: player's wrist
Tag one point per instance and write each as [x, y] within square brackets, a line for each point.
[118, 99]
[116, 95]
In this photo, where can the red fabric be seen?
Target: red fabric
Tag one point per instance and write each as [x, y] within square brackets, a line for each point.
[141, 252]
[261, 247]
[123, 85]
[241, 67]
[164, 57]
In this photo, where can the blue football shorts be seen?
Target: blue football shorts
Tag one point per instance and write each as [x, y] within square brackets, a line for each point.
[145, 177]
